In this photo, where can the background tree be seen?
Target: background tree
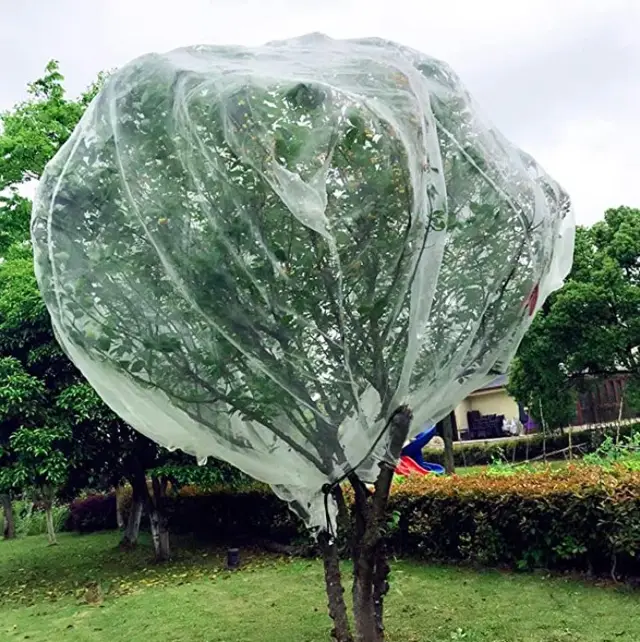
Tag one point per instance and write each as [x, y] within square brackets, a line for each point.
[103, 450]
[588, 330]
[33, 443]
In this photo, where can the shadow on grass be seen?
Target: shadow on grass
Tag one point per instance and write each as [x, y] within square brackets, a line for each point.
[30, 570]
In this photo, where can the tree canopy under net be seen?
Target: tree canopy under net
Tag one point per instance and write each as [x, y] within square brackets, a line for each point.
[258, 254]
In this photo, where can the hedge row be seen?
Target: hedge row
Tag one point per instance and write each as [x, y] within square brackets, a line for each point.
[579, 518]
[534, 446]
[93, 513]
[584, 518]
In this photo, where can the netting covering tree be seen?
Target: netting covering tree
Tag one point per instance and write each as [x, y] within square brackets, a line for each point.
[279, 255]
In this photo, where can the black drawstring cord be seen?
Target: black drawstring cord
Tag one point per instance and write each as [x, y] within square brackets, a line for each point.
[328, 488]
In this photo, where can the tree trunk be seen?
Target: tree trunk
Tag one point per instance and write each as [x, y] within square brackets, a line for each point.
[139, 494]
[158, 519]
[132, 529]
[370, 567]
[380, 584]
[51, 532]
[335, 591]
[160, 536]
[119, 513]
[9, 525]
[447, 437]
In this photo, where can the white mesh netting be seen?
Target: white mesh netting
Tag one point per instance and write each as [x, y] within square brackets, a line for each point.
[257, 254]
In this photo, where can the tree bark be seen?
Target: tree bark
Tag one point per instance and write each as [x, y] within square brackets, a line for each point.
[447, 437]
[8, 522]
[371, 569]
[9, 525]
[119, 513]
[132, 529]
[51, 531]
[139, 494]
[160, 536]
[158, 519]
[335, 591]
[380, 584]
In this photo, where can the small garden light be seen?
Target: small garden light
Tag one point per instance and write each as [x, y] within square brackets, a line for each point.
[233, 558]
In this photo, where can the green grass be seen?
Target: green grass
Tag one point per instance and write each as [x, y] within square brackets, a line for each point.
[43, 597]
[535, 465]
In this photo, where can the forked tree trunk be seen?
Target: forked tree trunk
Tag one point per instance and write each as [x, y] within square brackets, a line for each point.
[9, 525]
[370, 566]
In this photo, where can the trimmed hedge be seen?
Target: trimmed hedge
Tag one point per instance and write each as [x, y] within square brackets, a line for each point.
[93, 513]
[468, 453]
[583, 518]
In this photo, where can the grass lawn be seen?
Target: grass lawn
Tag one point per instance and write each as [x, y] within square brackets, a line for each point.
[474, 470]
[48, 594]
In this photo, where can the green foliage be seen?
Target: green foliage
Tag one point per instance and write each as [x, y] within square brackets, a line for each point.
[15, 215]
[31, 446]
[499, 466]
[34, 439]
[578, 518]
[102, 449]
[29, 518]
[623, 451]
[214, 255]
[40, 458]
[590, 328]
[35, 130]
[181, 471]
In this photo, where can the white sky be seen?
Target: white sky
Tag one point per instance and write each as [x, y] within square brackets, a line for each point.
[561, 79]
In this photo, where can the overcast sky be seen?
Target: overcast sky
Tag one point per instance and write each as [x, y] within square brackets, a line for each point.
[561, 79]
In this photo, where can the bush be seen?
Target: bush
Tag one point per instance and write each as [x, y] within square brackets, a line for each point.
[234, 516]
[519, 449]
[625, 452]
[584, 518]
[93, 513]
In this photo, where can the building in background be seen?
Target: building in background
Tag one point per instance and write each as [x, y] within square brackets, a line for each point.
[491, 400]
[598, 401]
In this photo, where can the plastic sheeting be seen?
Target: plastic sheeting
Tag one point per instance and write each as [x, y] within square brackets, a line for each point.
[258, 254]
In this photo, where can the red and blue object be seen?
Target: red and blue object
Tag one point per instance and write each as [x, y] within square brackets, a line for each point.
[411, 459]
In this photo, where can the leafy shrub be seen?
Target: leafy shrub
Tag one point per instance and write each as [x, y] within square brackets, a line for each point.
[29, 518]
[93, 513]
[625, 452]
[582, 518]
[223, 514]
[534, 446]
[241, 516]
